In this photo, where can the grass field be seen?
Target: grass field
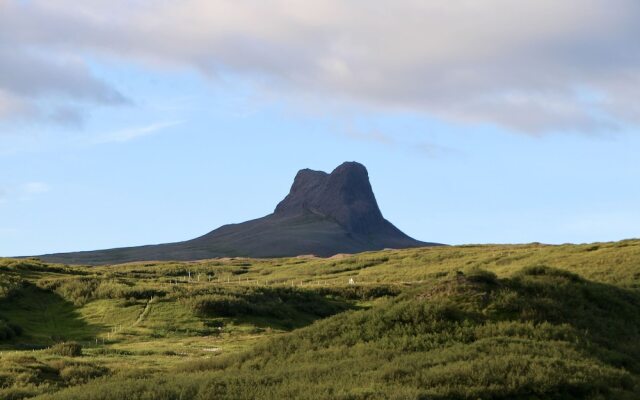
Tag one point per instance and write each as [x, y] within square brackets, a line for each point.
[489, 322]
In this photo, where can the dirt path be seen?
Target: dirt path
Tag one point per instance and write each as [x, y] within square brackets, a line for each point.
[145, 312]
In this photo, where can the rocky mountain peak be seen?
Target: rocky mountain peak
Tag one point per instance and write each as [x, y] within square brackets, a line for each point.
[344, 195]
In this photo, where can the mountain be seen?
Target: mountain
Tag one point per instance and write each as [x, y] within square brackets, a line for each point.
[323, 214]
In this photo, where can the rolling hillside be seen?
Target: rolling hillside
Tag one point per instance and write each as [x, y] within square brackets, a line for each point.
[460, 322]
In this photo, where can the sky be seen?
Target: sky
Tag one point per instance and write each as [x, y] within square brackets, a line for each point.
[146, 121]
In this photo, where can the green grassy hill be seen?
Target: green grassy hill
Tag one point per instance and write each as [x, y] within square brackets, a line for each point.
[463, 322]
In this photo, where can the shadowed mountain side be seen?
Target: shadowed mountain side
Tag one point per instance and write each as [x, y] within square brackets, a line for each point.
[324, 214]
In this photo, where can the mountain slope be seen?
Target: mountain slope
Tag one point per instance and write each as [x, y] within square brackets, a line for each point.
[323, 214]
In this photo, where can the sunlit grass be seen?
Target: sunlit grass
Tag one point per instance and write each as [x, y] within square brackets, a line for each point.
[269, 320]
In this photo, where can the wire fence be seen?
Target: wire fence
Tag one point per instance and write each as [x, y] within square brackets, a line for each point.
[334, 282]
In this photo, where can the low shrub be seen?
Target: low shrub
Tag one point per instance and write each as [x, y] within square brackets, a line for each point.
[81, 373]
[84, 289]
[8, 330]
[279, 303]
[543, 270]
[76, 290]
[9, 286]
[219, 305]
[357, 292]
[18, 393]
[66, 349]
[106, 351]
[479, 275]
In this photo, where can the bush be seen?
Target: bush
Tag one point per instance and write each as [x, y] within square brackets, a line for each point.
[113, 289]
[219, 305]
[357, 292]
[8, 330]
[18, 393]
[81, 373]
[76, 290]
[82, 290]
[479, 275]
[9, 286]
[107, 351]
[543, 270]
[67, 349]
[285, 304]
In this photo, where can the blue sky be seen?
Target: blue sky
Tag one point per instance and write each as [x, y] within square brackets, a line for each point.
[106, 144]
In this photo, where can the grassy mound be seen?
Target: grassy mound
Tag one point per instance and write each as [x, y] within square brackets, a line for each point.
[542, 333]
[67, 349]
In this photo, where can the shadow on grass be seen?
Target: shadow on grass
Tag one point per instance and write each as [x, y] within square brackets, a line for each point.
[276, 308]
[45, 318]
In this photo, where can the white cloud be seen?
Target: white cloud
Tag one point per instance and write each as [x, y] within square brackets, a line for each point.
[34, 188]
[523, 64]
[126, 135]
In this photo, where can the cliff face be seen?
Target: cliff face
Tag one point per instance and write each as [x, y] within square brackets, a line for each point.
[323, 214]
[345, 196]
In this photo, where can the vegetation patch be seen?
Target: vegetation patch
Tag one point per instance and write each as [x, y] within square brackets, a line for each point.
[9, 330]
[463, 322]
[67, 349]
[286, 305]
